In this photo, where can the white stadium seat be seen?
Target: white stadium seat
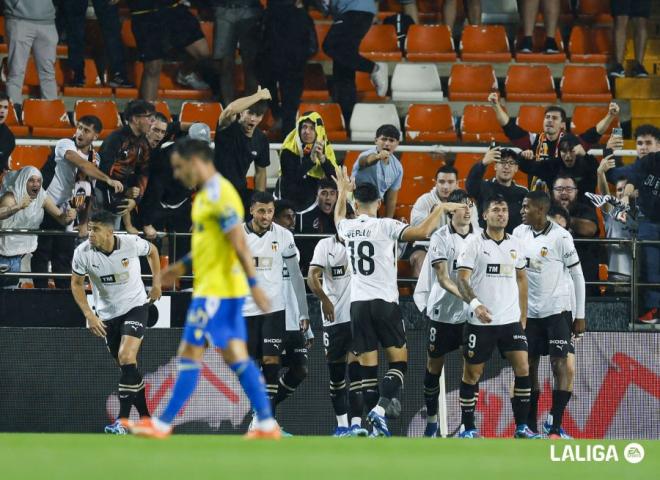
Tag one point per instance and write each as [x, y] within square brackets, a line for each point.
[412, 82]
[367, 117]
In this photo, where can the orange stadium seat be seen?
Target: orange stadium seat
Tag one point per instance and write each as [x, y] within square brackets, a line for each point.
[538, 42]
[164, 108]
[590, 45]
[12, 122]
[93, 84]
[4, 48]
[105, 110]
[471, 83]
[31, 81]
[485, 43]
[366, 92]
[315, 87]
[208, 113]
[530, 117]
[321, 33]
[594, 11]
[380, 44]
[530, 83]
[430, 43]
[463, 164]
[332, 119]
[479, 124]
[127, 37]
[430, 123]
[207, 30]
[585, 85]
[47, 118]
[420, 167]
[587, 116]
[349, 160]
[29, 155]
[169, 88]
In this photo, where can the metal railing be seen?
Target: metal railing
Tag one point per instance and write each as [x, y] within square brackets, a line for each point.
[633, 284]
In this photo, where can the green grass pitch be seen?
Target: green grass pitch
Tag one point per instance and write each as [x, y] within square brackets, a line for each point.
[188, 457]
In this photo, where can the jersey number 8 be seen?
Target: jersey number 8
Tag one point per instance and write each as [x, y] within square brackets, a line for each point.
[364, 251]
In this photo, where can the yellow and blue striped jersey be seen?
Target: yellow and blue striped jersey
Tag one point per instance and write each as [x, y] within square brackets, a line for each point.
[217, 209]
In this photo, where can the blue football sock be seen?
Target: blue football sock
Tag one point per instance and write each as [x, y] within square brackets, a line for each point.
[253, 386]
[183, 388]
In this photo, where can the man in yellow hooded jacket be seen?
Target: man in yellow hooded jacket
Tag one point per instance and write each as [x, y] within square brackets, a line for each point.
[306, 158]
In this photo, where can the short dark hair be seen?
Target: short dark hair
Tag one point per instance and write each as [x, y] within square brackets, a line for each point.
[4, 96]
[160, 117]
[647, 129]
[327, 183]
[92, 121]
[556, 209]
[446, 169]
[187, 148]
[259, 108]
[508, 153]
[568, 142]
[540, 198]
[564, 176]
[261, 197]
[388, 131]
[496, 198]
[138, 107]
[103, 216]
[557, 108]
[282, 205]
[458, 196]
[366, 193]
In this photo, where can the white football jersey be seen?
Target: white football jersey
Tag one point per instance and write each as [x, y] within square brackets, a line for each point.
[291, 310]
[493, 279]
[549, 255]
[268, 253]
[446, 245]
[372, 249]
[116, 283]
[331, 256]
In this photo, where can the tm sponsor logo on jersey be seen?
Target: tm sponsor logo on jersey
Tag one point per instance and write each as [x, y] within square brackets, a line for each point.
[339, 271]
[499, 269]
[115, 278]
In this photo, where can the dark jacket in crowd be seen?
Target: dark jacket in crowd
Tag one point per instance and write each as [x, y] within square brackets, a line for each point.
[644, 174]
[584, 171]
[481, 190]
[7, 145]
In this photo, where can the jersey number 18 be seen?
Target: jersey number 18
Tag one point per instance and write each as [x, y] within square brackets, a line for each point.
[362, 257]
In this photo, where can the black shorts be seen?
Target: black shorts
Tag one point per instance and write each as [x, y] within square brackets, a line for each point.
[266, 334]
[158, 31]
[374, 322]
[133, 324]
[294, 352]
[444, 338]
[337, 341]
[550, 335]
[479, 341]
[631, 8]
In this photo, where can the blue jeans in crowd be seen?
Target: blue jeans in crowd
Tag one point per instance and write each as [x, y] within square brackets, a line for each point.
[650, 262]
[14, 264]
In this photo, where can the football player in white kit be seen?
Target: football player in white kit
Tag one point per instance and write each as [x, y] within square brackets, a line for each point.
[375, 314]
[493, 281]
[330, 263]
[273, 248]
[121, 304]
[436, 294]
[298, 336]
[551, 255]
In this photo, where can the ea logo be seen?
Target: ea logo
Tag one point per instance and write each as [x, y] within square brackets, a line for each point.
[633, 453]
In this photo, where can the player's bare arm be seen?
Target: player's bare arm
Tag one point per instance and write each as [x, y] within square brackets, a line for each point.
[345, 185]
[94, 323]
[465, 289]
[425, 229]
[314, 284]
[237, 238]
[445, 281]
[521, 278]
[154, 263]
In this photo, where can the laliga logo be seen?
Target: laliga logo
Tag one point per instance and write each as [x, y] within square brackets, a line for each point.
[633, 453]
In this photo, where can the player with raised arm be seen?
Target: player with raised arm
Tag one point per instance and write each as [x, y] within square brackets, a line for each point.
[121, 305]
[437, 294]
[273, 248]
[375, 314]
[493, 281]
[330, 263]
[224, 275]
[550, 254]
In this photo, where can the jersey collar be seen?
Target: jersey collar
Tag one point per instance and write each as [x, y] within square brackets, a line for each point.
[545, 230]
[485, 235]
[248, 229]
[115, 247]
[452, 230]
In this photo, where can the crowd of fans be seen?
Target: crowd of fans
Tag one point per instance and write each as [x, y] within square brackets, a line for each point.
[131, 175]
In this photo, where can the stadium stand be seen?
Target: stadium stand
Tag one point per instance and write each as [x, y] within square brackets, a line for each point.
[530, 83]
[367, 117]
[485, 44]
[471, 83]
[413, 82]
[105, 110]
[430, 43]
[47, 118]
[430, 123]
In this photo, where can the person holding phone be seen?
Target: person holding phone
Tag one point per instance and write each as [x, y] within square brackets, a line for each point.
[506, 165]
